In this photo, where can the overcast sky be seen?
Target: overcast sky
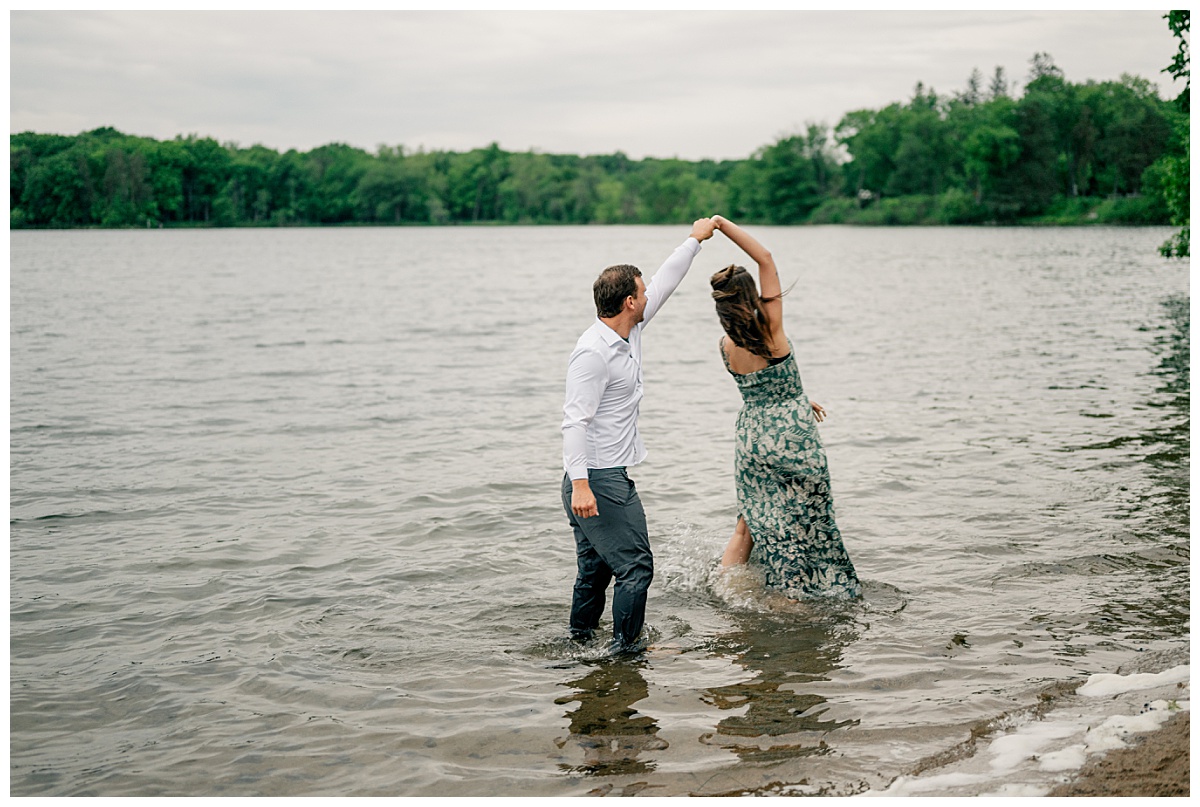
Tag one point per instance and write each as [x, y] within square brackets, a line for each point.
[688, 84]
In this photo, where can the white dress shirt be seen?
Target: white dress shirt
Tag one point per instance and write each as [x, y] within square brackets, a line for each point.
[604, 382]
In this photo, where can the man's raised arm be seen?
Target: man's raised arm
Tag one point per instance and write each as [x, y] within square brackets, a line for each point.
[671, 273]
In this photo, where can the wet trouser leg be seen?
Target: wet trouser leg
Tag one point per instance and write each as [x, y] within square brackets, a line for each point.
[613, 544]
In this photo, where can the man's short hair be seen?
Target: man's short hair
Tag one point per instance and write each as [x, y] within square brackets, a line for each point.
[613, 286]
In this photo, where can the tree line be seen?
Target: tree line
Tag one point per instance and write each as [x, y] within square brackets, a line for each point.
[1055, 151]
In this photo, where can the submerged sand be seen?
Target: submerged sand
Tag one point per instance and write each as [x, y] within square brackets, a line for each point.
[1157, 764]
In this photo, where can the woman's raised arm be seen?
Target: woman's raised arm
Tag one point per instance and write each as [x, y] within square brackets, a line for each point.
[768, 276]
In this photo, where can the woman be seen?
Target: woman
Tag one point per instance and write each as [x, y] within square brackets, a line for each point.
[785, 524]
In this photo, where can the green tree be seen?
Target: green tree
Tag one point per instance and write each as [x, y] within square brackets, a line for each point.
[166, 161]
[990, 145]
[781, 183]
[1129, 129]
[973, 93]
[204, 173]
[26, 150]
[128, 197]
[998, 88]
[1177, 170]
[390, 190]
[872, 138]
[333, 172]
[614, 203]
[923, 154]
[474, 183]
[533, 191]
[960, 158]
[1044, 169]
[60, 190]
[290, 184]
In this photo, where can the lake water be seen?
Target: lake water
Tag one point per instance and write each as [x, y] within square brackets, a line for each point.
[285, 509]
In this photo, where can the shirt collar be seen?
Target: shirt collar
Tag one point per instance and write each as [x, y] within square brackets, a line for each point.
[608, 334]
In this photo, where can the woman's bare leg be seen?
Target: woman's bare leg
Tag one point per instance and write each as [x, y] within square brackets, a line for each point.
[738, 550]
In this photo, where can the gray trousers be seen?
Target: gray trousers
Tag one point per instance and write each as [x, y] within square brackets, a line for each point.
[613, 544]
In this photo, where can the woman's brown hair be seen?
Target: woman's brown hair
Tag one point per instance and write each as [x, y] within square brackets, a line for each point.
[740, 310]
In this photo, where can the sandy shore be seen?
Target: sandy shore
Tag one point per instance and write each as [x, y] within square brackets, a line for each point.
[1126, 733]
[1158, 764]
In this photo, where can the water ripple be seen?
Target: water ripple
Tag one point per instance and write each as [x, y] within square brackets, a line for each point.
[273, 531]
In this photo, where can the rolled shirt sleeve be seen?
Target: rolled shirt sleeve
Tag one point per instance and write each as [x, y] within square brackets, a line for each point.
[587, 376]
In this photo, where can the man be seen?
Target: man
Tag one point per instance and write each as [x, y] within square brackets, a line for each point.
[600, 440]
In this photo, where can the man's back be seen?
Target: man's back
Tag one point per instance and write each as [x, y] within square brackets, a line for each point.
[600, 440]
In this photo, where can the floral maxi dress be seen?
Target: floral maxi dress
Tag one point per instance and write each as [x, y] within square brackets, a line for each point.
[783, 487]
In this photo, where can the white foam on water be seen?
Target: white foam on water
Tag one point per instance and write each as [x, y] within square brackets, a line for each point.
[687, 560]
[1034, 755]
[1112, 684]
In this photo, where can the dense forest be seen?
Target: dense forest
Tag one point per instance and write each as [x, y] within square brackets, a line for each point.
[1053, 152]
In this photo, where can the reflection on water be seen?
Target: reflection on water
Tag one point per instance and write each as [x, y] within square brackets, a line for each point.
[1170, 433]
[775, 718]
[606, 727]
[1160, 522]
[1153, 501]
[765, 717]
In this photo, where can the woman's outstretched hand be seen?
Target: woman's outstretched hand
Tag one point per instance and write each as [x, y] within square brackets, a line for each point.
[818, 411]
